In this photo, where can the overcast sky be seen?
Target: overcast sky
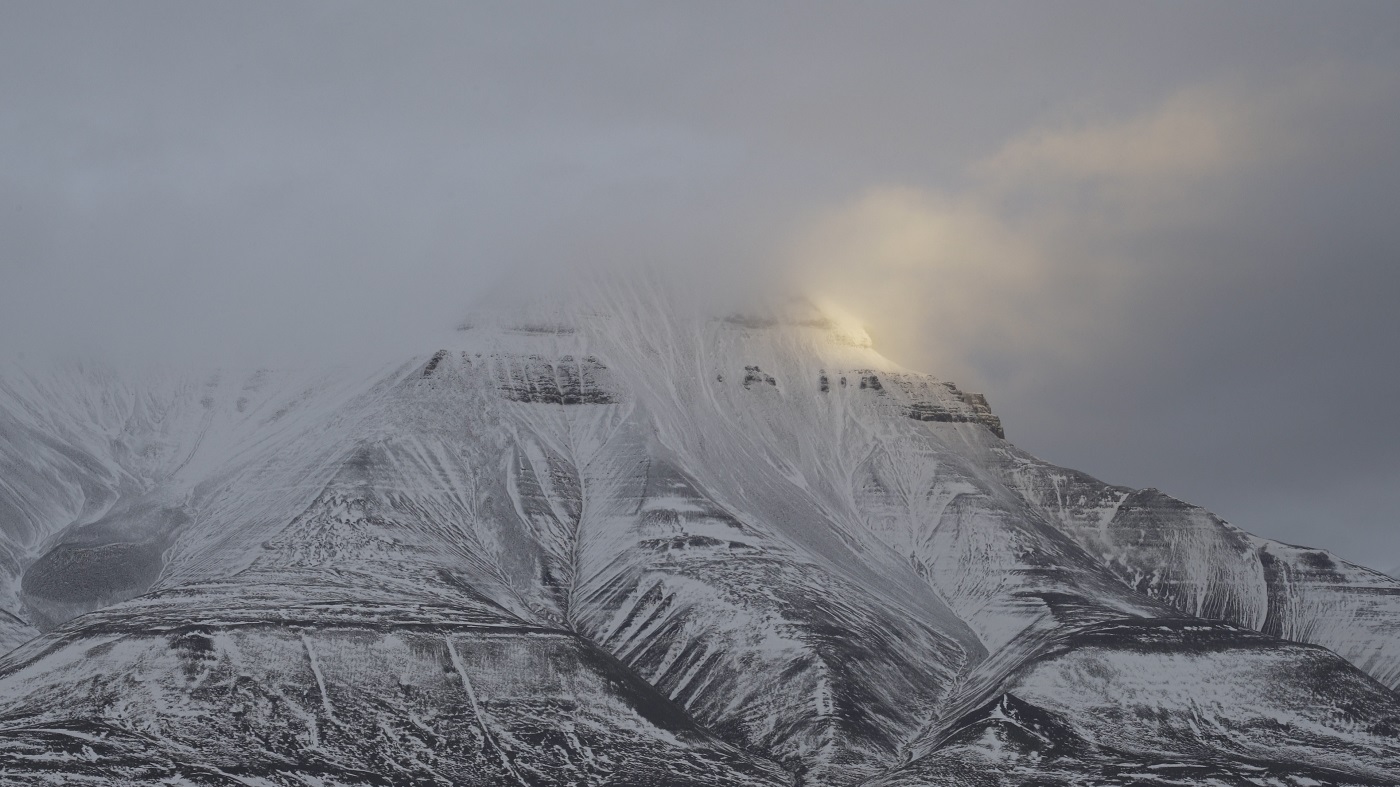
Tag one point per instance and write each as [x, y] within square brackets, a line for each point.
[1164, 239]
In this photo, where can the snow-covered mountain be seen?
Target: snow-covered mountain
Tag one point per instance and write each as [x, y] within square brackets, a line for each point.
[614, 539]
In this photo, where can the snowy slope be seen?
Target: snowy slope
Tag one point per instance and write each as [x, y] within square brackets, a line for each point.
[610, 537]
[1170, 703]
[1189, 558]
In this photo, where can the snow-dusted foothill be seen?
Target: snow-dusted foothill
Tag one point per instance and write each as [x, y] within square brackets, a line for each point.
[610, 538]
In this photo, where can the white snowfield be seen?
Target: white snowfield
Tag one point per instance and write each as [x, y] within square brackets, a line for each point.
[613, 539]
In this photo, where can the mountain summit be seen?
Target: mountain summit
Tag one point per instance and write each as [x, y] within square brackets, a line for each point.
[612, 538]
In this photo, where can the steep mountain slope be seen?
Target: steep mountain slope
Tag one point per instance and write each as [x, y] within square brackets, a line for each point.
[271, 681]
[1167, 703]
[614, 539]
[1185, 556]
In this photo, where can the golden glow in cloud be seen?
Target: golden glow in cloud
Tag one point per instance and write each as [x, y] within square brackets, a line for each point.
[904, 256]
[1017, 260]
[1189, 136]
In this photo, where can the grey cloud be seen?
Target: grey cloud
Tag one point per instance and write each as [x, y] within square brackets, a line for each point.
[240, 179]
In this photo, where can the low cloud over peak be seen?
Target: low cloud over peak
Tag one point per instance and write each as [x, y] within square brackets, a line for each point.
[1161, 238]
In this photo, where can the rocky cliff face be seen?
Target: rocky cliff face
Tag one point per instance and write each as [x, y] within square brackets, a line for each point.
[615, 540]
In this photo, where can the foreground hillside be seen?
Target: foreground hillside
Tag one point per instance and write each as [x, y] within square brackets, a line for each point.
[613, 540]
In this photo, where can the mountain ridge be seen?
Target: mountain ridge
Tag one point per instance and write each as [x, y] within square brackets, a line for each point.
[822, 563]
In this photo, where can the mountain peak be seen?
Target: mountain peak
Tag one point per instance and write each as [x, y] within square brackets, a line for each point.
[649, 300]
[734, 542]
